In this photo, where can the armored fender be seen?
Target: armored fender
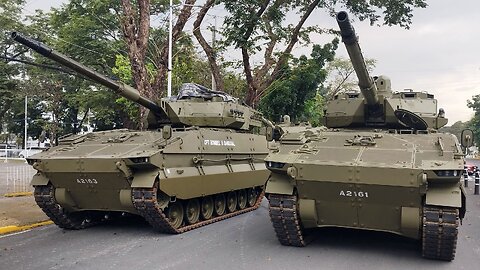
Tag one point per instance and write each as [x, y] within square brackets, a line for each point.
[279, 185]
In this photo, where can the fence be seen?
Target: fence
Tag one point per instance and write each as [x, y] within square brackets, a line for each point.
[15, 178]
[7, 154]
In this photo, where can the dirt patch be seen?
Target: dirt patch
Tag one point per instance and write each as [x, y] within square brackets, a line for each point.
[20, 211]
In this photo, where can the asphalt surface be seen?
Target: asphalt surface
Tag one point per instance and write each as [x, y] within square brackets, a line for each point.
[243, 242]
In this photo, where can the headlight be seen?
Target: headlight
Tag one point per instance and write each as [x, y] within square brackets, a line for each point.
[448, 173]
[274, 165]
[140, 160]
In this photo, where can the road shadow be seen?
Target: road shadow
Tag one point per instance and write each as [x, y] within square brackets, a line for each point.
[374, 242]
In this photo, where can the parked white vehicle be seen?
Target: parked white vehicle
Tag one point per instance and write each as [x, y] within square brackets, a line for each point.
[28, 152]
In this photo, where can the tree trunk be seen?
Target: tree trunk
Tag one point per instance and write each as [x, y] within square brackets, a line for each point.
[252, 87]
[206, 47]
[136, 34]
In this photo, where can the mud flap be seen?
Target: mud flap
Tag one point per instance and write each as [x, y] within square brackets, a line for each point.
[39, 179]
[449, 195]
[308, 213]
[279, 185]
[144, 179]
[410, 222]
[126, 199]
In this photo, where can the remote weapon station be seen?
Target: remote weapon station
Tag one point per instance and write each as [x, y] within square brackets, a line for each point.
[379, 164]
[201, 161]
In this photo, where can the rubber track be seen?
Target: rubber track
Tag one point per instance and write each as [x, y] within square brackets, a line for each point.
[440, 232]
[285, 220]
[45, 199]
[145, 202]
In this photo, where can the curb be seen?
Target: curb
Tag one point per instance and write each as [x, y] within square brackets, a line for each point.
[17, 194]
[11, 229]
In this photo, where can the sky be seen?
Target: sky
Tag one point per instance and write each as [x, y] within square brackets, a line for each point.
[438, 54]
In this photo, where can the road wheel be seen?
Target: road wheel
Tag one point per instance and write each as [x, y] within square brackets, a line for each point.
[192, 211]
[242, 199]
[220, 203]
[251, 196]
[207, 207]
[175, 214]
[231, 201]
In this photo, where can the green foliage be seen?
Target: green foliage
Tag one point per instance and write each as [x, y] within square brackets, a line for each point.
[271, 29]
[394, 12]
[16, 117]
[234, 84]
[296, 93]
[341, 77]
[187, 66]
[474, 123]
[123, 70]
[455, 129]
[10, 12]
[243, 17]
[314, 110]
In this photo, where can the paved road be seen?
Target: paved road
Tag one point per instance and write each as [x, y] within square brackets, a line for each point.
[242, 242]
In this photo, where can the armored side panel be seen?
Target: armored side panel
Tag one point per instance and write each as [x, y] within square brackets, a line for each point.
[215, 173]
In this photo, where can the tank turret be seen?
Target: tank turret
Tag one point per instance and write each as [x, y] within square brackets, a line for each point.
[377, 106]
[194, 105]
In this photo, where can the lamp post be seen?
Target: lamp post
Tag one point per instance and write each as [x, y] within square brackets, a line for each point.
[170, 47]
[26, 138]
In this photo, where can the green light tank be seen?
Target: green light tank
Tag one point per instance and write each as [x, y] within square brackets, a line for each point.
[379, 164]
[201, 161]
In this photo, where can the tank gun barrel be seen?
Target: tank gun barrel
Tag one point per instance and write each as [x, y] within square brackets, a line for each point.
[365, 82]
[119, 87]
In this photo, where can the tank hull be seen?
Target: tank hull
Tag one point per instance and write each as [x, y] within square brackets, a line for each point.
[100, 172]
[364, 179]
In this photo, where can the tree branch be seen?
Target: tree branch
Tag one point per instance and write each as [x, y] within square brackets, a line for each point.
[269, 61]
[252, 88]
[293, 40]
[209, 51]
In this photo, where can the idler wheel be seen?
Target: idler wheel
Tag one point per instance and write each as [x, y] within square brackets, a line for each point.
[175, 214]
[220, 203]
[251, 196]
[207, 208]
[242, 199]
[192, 211]
[231, 201]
